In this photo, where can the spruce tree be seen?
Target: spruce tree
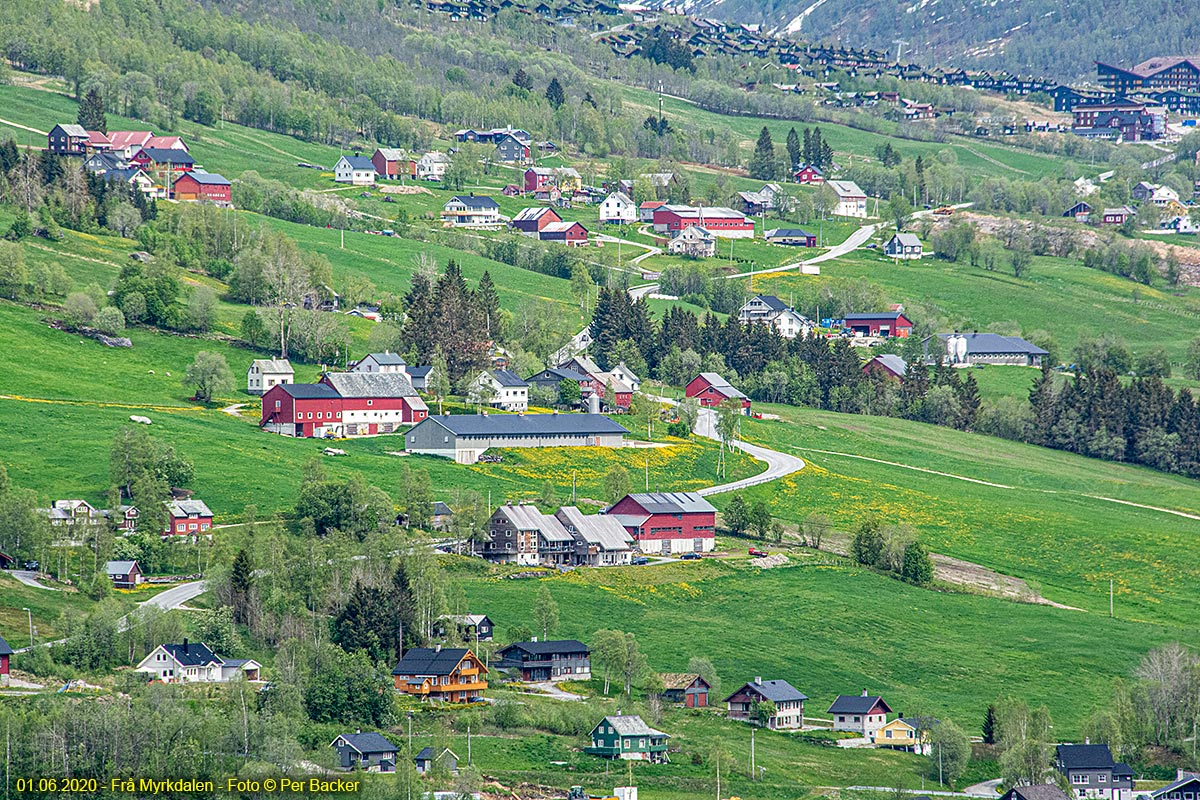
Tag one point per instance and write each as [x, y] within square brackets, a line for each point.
[555, 93]
[989, 725]
[91, 112]
[793, 149]
[241, 583]
[808, 148]
[489, 306]
[762, 163]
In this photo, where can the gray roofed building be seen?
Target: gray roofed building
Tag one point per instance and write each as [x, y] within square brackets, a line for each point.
[982, 348]
[367, 751]
[189, 507]
[560, 659]
[524, 535]
[370, 384]
[722, 385]
[1092, 772]
[465, 437]
[429, 661]
[903, 246]
[860, 713]
[310, 391]
[788, 701]
[5, 649]
[600, 540]
[1042, 791]
[888, 364]
[626, 736]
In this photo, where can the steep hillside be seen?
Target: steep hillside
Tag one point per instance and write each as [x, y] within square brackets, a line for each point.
[1053, 38]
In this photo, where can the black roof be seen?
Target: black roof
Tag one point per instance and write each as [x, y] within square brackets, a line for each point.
[559, 374]
[310, 391]
[5, 650]
[368, 742]
[856, 704]
[550, 647]
[1085, 756]
[429, 661]
[880, 315]
[192, 654]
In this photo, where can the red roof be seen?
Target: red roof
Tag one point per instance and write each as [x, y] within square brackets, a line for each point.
[653, 204]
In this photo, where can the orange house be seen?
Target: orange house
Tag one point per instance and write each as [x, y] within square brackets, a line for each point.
[452, 674]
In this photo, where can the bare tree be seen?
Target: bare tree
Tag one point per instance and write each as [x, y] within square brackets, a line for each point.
[287, 282]
[1168, 676]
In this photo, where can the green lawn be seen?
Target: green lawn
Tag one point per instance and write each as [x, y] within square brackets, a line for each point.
[1057, 295]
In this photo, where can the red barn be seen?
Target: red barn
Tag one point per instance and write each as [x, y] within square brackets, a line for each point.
[391, 163]
[572, 233]
[374, 402]
[538, 178]
[711, 390]
[668, 522]
[719, 221]
[893, 323]
[302, 409]
[533, 220]
[203, 186]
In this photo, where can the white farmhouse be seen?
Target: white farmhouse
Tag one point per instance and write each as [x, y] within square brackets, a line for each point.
[356, 170]
[267, 372]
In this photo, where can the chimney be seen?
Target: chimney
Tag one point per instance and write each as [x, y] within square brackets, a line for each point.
[1087, 740]
[758, 680]
[534, 639]
[185, 644]
[864, 694]
[357, 730]
[437, 648]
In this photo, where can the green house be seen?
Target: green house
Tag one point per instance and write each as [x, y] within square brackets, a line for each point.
[629, 738]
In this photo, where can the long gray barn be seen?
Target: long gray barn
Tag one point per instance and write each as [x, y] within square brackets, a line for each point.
[465, 437]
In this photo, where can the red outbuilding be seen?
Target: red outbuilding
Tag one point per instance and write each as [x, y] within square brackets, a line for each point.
[667, 522]
[719, 221]
[302, 409]
[808, 174]
[5, 652]
[203, 186]
[572, 233]
[892, 323]
[538, 178]
[711, 390]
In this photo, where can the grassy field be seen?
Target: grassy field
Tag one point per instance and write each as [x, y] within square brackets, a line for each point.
[831, 629]
[1057, 295]
[1061, 522]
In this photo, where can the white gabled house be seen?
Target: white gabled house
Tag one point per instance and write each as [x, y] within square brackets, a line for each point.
[194, 662]
[503, 389]
[618, 208]
[852, 201]
[432, 166]
[267, 372]
[357, 170]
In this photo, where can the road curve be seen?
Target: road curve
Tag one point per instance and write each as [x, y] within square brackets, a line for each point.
[29, 578]
[779, 465]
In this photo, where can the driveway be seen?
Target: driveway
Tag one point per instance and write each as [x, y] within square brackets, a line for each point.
[552, 690]
[778, 464]
[30, 579]
[986, 789]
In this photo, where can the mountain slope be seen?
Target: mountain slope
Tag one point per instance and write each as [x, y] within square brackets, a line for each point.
[1052, 38]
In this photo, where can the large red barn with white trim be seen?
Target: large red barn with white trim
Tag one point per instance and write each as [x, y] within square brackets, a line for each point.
[668, 522]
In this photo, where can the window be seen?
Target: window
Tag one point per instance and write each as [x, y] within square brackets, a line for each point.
[1078, 779]
[369, 402]
[277, 405]
[319, 414]
[310, 415]
[887, 734]
[1102, 778]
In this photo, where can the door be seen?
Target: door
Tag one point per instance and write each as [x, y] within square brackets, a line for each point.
[689, 700]
[666, 547]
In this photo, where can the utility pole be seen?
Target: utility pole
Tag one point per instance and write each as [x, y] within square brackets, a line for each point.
[752, 769]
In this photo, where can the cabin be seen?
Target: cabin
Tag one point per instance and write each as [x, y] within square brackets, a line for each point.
[686, 689]
[862, 714]
[429, 759]
[370, 752]
[903, 246]
[712, 390]
[123, 574]
[788, 704]
[628, 738]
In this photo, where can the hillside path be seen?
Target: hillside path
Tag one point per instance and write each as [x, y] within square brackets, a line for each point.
[29, 578]
[23, 127]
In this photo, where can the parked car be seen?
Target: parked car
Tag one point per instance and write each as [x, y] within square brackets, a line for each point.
[756, 553]
[690, 557]
[638, 561]
[32, 566]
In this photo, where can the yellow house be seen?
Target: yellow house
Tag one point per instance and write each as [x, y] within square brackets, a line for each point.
[899, 734]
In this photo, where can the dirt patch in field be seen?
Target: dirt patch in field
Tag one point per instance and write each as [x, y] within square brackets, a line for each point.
[406, 189]
[970, 576]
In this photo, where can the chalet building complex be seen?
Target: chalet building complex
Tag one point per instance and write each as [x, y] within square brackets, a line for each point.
[1162, 72]
[559, 660]
[667, 522]
[521, 534]
[788, 701]
[451, 674]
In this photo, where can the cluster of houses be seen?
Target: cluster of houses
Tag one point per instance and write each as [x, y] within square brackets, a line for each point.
[71, 519]
[666, 523]
[389, 164]
[160, 167]
[1174, 212]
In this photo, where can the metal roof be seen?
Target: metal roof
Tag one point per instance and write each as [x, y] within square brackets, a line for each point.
[309, 391]
[164, 155]
[721, 385]
[631, 725]
[893, 362]
[506, 377]
[598, 529]
[881, 315]
[525, 424]
[550, 647]
[474, 201]
[533, 213]
[788, 233]
[183, 508]
[5, 650]
[526, 517]
[205, 178]
[907, 239]
[118, 567]
[672, 503]
[371, 384]
[385, 359]
[1085, 756]
[274, 365]
[994, 343]
[559, 374]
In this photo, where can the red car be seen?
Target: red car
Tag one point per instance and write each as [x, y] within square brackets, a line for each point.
[756, 553]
